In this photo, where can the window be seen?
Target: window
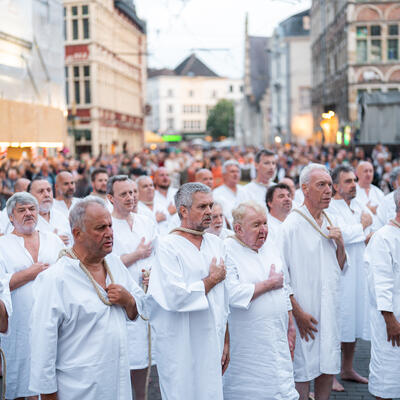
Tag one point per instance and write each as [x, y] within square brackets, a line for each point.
[65, 24]
[79, 20]
[393, 30]
[214, 94]
[360, 92]
[170, 108]
[79, 81]
[230, 88]
[77, 90]
[305, 98]
[376, 50]
[375, 30]
[75, 32]
[170, 93]
[86, 82]
[66, 85]
[362, 32]
[191, 93]
[362, 55]
[74, 10]
[393, 49]
[170, 123]
[393, 90]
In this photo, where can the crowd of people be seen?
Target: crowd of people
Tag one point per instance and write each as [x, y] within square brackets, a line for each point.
[240, 273]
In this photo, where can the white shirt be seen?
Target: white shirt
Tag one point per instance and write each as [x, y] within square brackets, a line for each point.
[163, 226]
[386, 211]
[189, 325]
[61, 206]
[261, 366]
[228, 200]
[274, 226]
[313, 275]
[79, 344]
[256, 192]
[16, 346]
[165, 201]
[5, 224]
[382, 262]
[126, 240]
[57, 224]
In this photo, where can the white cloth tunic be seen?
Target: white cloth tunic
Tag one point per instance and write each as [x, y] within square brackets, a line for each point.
[254, 191]
[386, 211]
[354, 307]
[5, 295]
[260, 367]
[374, 196]
[189, 325]
[313, 276]
[163, 226]
[5, 224]
[274, 227]
[126, 240]
[61, 206]
[165, 201]
[228, 200]
[382, 261]
[79, 344]
[16, 346]
[57, 223]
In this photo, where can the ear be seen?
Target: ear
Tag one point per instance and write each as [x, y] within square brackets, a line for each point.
[237, 228]
[111, 198]
[335, 187]
[76, 233]
[183, 211]
[304, 188]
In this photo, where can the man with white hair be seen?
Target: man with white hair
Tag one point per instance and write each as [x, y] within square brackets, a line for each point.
[368, 194]
[134, 239]
[265, 164]
[262, 332]
[354, 221]
[382, 258]
[65, 190]
[148, 207]
[49, 219]
[189, 302]
[228, 193]
[313, 255]
[217, 222]
[387, 210]
[78, 328]
[25, 253]
[204, 175]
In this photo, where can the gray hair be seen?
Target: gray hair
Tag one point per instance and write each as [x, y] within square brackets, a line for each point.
[228, 163]
[20, 198]
[78, 211]
[184, 196]
[396, 197]
[142, 178]
[116, 178]
[394, 174]
[239, 213]
[305, 174]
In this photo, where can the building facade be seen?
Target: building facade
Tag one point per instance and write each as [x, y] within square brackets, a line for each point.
[181, 99]
[290, 86]
[355, 49]
[105, 75]
[32, 102]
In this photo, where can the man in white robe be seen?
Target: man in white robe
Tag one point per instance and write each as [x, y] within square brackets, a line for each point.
[25, 253]
[65, 189]
[354, 221]
[265, 164]
[78, 328]
[49, 219]
[387, 210]
[6, 226]
[164, 193]
[279, 203]
[147, 206]
[205, 176]
[5, 301]
[217, 222]
[368, 194]
[260, 323]
[189, 303]
[382, 258]
[99, 179]
[313, 256]
[134, 239]
[228, 193]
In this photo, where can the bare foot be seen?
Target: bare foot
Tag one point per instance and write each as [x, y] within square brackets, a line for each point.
[353, 376]
[337, 386]
[311, 396]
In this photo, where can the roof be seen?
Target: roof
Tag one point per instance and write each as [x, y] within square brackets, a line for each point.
[259, 65]
[128, 8]
[193, 66]
[153, 72]
[295, 26]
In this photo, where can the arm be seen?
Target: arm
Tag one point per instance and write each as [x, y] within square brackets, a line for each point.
[21, 278]
[50, 396]
[392, 328]
[225, 354]
[274, 281]
[291, 334]
[216, 275]
[3, 318]
[305, 322]
[117, 294]
[143, 250]
[336, 234]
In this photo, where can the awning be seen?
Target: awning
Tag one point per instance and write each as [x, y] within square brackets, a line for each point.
[151, 137]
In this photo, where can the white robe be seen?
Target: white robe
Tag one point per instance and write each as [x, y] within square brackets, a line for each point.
[163, 226]
[165, 201]
[298, 197]
[274, 227]
[79, 344]
[260, 367]
[61, 206]
[57, 223]
[354, 309]
[5, 224]
[16, 346]
[313, 276]
[386, 211]
[375, 197]
[228, 200]
[5, 295]
[382, 261]
[126, 240]
[190, 325]
[254, 191]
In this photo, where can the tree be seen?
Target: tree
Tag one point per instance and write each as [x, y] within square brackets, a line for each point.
[221, 119]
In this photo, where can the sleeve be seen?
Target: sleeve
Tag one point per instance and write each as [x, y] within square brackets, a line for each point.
[381, 215]
[47, 315]
[240, 294]
[284, 249]
[168, 287]
[381, 265]
[5, 295]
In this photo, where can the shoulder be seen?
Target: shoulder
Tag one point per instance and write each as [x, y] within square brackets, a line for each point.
[49, 237]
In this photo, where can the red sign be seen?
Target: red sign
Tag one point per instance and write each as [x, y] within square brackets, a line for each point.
[78, 52]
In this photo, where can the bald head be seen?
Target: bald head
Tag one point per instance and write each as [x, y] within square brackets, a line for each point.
[65, 186]
[21, 185]
[205, 176]
[162, 179]
[365, 174]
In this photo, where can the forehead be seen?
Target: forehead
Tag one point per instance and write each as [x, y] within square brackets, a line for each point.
[101, 175]
[24, 205]
[145, 182]
[96, 214]
[66, 178]
[41, 184]
[232, 167]
[319, 175]
[366, 167]
[216, 209]
[119, 186]
[347, 175]
[267, 158]
[202, 197]
[280, 191]
[252, 215]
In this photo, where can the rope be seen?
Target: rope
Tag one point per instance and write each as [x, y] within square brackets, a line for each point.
[4, 365]
[394, 222]
[187, 230]
[239, 241]
[313, 224]
[146, 387]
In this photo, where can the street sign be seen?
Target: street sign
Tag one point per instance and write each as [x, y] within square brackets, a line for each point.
[172, 138]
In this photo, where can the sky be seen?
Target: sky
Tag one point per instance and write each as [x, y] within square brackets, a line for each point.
[177, 28]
